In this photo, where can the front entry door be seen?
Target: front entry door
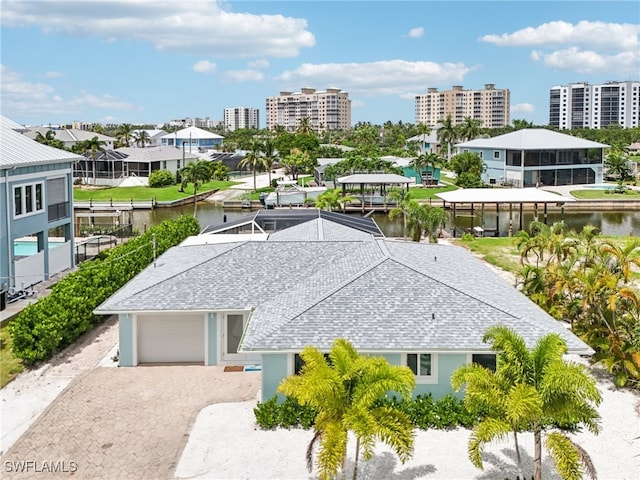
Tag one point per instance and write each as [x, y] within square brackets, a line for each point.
[234, 324]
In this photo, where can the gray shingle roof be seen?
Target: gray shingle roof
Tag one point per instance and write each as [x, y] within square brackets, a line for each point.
[381, 294]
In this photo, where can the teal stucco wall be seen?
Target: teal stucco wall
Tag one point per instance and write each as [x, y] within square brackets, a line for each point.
[212, 339]
[125, 337]
[274, 368]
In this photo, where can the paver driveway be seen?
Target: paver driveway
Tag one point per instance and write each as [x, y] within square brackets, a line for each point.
[113, 423]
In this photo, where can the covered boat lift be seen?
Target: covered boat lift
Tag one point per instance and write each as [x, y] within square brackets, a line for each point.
[369, 180]
[459, 199]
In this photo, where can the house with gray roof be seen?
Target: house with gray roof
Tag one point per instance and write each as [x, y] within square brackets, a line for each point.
[258, 298]
[36, 209]
[533, 157]
[71, 136]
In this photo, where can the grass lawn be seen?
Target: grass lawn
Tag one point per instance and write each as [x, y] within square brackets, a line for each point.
[163, 194]
[256, 195]
[594, 194]
[423, 193]
[497, 251]
[10, 366]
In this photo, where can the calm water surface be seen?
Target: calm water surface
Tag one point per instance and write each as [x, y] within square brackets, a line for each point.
[609, 223]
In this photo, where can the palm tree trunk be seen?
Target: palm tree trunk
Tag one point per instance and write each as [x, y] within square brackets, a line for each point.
[355, 463]
[195, 203]
[255, 186]
[537, 453]
[519, 459]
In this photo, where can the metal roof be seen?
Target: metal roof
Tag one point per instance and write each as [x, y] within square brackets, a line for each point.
[532, 139]
[155, 154]
[18, 150]
[375, 179]
[503, 195]
[193, 133]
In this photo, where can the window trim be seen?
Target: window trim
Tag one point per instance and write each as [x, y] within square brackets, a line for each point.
[424, 379]
[496, 155]
[37, 188]
[471, 354]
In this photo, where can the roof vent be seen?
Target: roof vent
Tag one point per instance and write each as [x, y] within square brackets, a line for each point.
[435, 259]
[433, 316]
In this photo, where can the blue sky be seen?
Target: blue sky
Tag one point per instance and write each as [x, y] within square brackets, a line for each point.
[150, 61]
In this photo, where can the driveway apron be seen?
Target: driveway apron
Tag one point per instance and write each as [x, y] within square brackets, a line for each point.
[124, 423]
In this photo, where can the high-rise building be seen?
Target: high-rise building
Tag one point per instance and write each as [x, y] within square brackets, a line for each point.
[490, 106]
[582, 105]
[330, 110]
[241, 117]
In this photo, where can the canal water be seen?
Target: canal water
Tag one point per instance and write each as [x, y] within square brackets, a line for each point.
[608, 222]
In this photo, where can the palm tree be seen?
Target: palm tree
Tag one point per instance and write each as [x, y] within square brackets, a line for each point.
[141, 138]
[402, 198]
[345, 392]
[531, 390]
[124, 134]
[333, 200]
[304, 127]
[470, 129]
[93, 146]
[617, 165]
[447, 134]
[269, 155]
[519, 124]
[198, 172]
[254, 160]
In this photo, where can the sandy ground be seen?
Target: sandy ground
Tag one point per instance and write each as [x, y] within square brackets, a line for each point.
[225, 443]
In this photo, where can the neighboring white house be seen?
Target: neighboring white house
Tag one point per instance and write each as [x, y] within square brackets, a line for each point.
[154, 138]
[70, 136]
[193, 139]
[536, 156]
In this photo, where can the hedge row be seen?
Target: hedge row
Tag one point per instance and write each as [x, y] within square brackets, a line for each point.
[425, 413]
[55, 321]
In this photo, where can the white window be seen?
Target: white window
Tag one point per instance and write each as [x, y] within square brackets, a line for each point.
[28, 199]
[423, 365]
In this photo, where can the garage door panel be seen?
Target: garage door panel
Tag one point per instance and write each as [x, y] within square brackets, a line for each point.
[173, 339]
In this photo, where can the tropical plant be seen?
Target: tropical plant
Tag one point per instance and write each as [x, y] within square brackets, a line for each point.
[269, 155]
[124, 134]
[424, 219]
[447, 134]
[585, 281]
[92, 147]
[333, 200]
[304, 127]
[401, 197]
[531, 390]
[470, 128]
[197, 172]
[141, 138]
[344, 391]
[617, 165]
[297, 162]
[254, 161]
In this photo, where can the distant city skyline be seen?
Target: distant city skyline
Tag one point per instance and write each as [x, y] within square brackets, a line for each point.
[148, 62]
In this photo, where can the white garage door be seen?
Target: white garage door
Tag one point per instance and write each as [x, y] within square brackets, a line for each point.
[172, 339]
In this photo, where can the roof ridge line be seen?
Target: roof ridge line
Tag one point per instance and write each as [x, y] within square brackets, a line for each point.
[316, 300]
[456, 289]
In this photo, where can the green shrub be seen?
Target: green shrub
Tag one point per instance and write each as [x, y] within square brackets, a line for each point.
[161, 178]
[424, 412]
[288, 414]
[55, 321]
[467, 237]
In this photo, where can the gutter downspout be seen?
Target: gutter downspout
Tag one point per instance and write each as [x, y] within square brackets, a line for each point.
[9, 242]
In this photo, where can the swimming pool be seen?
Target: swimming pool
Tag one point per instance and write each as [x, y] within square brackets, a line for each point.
[24, 248]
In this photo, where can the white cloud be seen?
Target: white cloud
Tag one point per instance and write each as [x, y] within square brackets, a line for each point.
[586, 34]
[53, 74]
[204, 66]
[585, 61]
[357, 104]
[258, 64]
[194, 27]
[391, 77]
[22, 98]
[416, 32]
[522, 108]
[586, 47]
[244, 75]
